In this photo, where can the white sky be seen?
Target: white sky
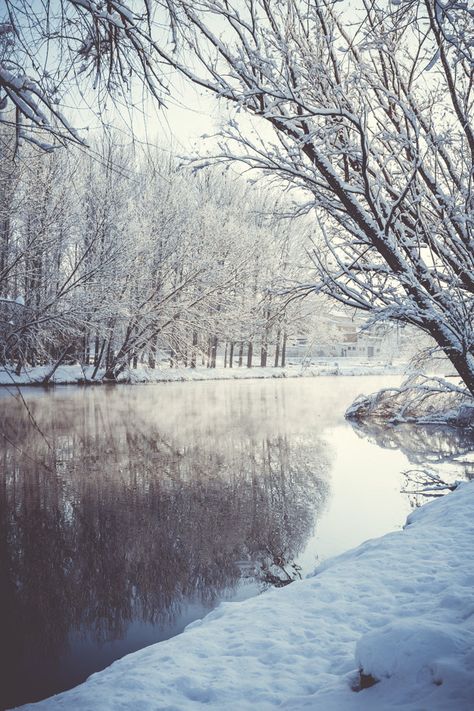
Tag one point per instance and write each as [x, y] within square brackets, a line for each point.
[190, 113]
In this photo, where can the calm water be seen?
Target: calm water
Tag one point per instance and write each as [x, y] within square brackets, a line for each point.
[128, 512]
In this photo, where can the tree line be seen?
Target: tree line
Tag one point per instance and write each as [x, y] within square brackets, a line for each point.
[366, 108]
[113, 259]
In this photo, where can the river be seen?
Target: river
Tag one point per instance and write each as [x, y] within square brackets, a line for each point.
[128, 512]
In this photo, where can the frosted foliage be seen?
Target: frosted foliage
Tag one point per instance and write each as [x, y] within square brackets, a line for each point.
[366, 112]
[119, 258]
[421, 399]
[77, 51]
[369, 114]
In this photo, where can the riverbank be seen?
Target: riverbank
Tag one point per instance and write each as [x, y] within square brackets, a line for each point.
[76, 374]
[421, 399]
[399, 608]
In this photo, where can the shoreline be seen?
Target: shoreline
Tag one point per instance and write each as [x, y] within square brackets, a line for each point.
[76, 375]
[317, 643]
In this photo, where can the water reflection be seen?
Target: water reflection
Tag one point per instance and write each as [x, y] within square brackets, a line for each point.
[425, 445]
[441, 455]
[120, 508]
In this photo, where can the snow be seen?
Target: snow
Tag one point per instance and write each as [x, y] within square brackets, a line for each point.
[70, 374]
[400, 608]
[427, 400]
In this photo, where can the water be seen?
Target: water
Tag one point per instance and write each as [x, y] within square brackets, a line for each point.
[128, 512]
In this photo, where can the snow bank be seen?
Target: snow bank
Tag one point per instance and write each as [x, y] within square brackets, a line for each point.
[426, 400]
[327, 367]
[75, 374]
[400, 608]
[64, 374]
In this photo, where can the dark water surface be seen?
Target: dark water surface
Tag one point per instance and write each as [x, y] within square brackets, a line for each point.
[128, 512]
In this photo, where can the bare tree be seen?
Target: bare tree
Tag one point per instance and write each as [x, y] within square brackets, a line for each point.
[370, 113]
[125, 260]
[56, 53]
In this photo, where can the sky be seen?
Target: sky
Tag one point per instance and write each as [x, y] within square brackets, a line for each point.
[188, 115]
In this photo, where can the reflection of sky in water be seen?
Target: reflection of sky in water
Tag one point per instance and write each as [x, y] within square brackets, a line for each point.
[154, 500]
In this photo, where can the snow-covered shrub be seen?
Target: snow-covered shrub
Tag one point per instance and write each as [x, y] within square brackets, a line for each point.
[427, 400]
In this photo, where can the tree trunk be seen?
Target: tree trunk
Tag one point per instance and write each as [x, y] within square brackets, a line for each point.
[249, 354]
[213, 351]
[231, 355]
[194, 349]
[277, 349]
[152, 354]
[99, 359]
[87, 349]
[463, 362]
[96, 349]
[283, 350]
[108, 355]
[241, 353]
[48, 377]
[111, 362]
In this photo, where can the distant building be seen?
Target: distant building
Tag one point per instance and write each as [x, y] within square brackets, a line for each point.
[346, 337]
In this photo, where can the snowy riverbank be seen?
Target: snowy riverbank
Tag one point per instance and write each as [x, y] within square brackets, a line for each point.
[400, 607]
[76, 374]
[421, 399]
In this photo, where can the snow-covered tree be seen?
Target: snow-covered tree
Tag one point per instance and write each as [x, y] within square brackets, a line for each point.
[369, 113]
[74, 52]
[367, 108]
[114, 258]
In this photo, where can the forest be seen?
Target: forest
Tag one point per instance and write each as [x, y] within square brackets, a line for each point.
[116, 257]
[364, 112]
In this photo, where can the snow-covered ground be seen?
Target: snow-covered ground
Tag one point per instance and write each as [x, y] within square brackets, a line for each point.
[400, 607]
[70, 374]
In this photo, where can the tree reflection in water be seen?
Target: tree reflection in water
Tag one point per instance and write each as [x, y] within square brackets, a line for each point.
[442, 455]
[113, 513]
[425, 445]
